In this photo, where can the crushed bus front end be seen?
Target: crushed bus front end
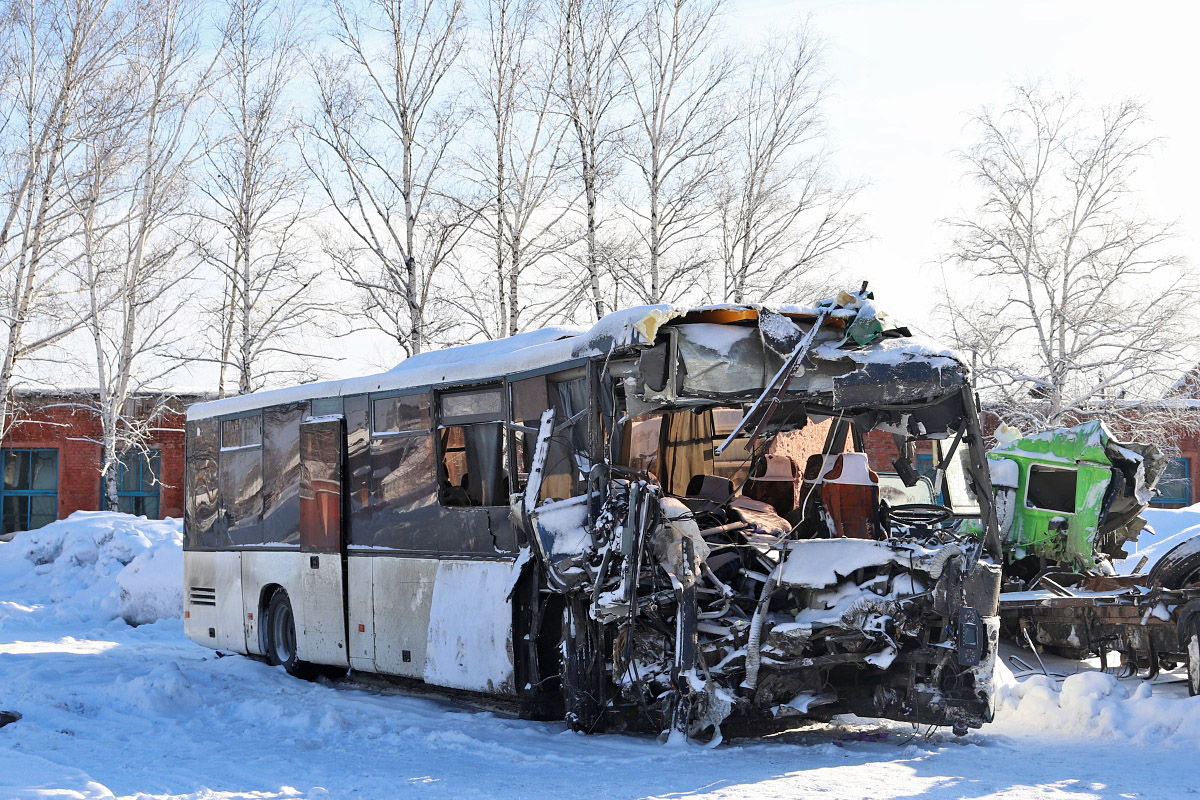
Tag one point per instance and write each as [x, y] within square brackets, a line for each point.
[731, 566]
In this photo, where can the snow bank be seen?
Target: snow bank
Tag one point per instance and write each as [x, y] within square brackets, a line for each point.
[94, 567]
[1093, 704]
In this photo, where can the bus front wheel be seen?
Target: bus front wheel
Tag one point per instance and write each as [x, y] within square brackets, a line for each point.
[281, 637]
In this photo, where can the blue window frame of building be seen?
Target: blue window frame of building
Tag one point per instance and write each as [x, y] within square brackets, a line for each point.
[138, 483]
[1175, 485]
[29, 494]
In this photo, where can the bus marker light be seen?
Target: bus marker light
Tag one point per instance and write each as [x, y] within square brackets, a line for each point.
[362, 628]
[250, 615]
[187, 615]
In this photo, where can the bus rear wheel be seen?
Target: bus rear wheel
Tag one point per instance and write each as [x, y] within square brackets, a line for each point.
[281, 637]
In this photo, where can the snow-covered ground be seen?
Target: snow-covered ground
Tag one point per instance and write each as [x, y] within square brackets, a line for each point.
[141, 712]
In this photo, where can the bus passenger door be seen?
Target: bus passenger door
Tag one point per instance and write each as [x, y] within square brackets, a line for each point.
[322, 469]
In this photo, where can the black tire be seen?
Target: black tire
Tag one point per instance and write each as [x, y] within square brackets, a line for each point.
[1191, 641]
[1179, 567]
[281, 637]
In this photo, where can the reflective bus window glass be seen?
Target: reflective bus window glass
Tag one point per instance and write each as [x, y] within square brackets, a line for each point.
[281, 474]
[478, 406]
[325, 407]
[400, 414]
[241, 432]
[241, 493]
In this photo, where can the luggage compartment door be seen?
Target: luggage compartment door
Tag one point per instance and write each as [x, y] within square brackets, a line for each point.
[323, 541]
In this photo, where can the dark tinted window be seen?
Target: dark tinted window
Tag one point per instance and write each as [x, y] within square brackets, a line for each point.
[404, 512]
[241, 493]
[482, 405]
[358, 470]
[281, 473]
[200, 528]
[241, 432]
[399, 414]
[325, 407]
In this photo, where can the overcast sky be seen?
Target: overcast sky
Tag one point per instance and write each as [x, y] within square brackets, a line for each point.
[906, 75]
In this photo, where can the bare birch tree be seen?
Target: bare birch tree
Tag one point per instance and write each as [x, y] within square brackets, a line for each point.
[522, 168]
[591, 87]
[53, 52]
[780, 213]
[677, 73]
[256, 189]
[1082, 309]
[382, 137]
[133, 206]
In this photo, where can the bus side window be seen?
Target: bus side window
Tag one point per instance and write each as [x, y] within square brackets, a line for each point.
[241, 477]
[403, 490]
[281, 473]
[568, 460]
[471, 449]
[529, 402]
[203, 442]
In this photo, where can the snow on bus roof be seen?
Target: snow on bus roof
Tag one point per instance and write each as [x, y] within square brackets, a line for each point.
[524, 351]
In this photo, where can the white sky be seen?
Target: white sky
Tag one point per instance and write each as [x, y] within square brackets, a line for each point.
[906, 75]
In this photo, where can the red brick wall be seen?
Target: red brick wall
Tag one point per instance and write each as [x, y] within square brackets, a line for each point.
[54, 424]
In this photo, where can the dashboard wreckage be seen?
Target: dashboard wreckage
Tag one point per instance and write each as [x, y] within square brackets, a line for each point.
[731, 566]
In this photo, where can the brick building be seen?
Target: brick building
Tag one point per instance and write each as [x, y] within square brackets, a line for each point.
[50, 461]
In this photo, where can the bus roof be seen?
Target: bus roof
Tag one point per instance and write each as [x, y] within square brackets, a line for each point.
[550, 346]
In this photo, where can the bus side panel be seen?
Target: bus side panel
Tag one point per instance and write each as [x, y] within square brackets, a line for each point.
[261, 569]
[470, 627]
[403, 594]
[213, 599]
[358, 591]
[324, 625]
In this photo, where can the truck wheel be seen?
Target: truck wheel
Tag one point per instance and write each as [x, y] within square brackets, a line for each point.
[1192, 640]
[281, 637]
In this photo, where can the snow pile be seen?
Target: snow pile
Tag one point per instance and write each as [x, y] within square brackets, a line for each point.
[1095, 703]
[93, 567]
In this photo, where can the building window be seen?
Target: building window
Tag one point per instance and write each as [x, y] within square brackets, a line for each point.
[1175, 485]
[30, 493]
[138, 481]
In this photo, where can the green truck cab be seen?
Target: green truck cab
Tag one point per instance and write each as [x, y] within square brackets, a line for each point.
[1071, 497]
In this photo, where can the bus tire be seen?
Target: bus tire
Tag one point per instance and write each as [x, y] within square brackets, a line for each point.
[281, 637]
[1191, 641]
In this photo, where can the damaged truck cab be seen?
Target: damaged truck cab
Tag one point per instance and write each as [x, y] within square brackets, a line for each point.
[730, 565]
[1071, 497]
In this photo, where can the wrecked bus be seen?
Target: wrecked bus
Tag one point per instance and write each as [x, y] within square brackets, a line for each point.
[665, 523]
